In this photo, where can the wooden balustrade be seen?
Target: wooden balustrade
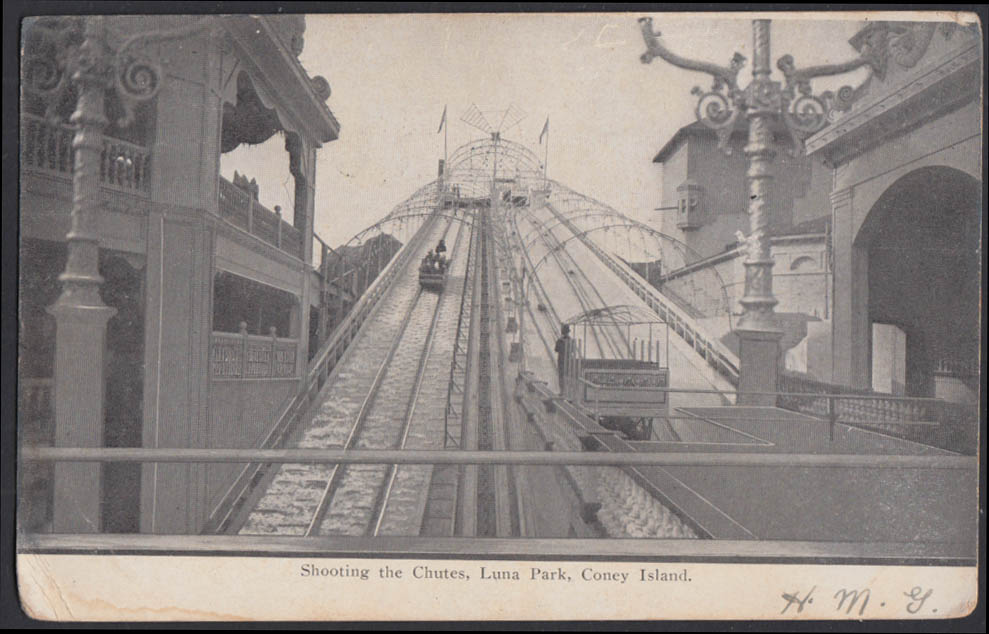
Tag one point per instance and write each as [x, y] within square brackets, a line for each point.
[956, 368]
[48, 146]
[928, 420]
[124, 164]
[244, 356]
[239, 208]
[235, 204]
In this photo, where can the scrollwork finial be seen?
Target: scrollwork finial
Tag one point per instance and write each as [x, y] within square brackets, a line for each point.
[717, 108]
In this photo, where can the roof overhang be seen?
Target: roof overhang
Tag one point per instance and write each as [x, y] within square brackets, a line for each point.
[278, 68]
[940, 86]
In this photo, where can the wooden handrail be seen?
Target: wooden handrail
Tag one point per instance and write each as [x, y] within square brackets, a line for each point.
[565, 549]
[533, 458]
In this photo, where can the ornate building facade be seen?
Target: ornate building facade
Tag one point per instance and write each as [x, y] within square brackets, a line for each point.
[906, 210]
[210, 292]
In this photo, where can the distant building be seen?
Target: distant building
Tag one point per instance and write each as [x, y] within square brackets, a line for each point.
[351, 269]
[212, 290]
[705, 196]
[705, 206]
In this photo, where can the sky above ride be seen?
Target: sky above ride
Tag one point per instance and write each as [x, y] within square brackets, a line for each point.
[392, 75]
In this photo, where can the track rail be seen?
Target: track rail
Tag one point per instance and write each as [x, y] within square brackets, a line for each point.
[554, 248]
[459, 362]
[384, 495]
[536, 285]
[223, 518]
[337, 472]
[295, 499]
[583, 297]
[440, 514]
[369, 405]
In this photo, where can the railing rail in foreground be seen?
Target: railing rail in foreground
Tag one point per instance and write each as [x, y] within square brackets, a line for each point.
[564, 549]
[530, 458]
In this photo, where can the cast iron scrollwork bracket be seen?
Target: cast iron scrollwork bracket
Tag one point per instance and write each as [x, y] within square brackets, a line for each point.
[802, 112]
[57, 51]
[717, 108]
[805, 113]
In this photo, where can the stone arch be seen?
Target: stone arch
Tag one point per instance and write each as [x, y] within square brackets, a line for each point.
[918, 251]
[803, 263]
[964, 158]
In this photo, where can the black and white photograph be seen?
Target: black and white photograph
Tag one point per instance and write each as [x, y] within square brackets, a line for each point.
[499, 316]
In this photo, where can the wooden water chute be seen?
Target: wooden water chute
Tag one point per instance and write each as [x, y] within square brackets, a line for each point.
[627, 388]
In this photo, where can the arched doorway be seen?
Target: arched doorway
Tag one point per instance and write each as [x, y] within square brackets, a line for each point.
[922, 240]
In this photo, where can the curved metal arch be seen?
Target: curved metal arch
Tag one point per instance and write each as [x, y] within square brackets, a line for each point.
[573, 214]
[476, 187]
[680, 247]
[474, 164]
[590, 206]
[542, 227]
[573, 194]
[509, 149]
[562, 244]
[429, 195]
[617, 314]
[466, 219]
[624, 221]
[429, 191]
[426, 197]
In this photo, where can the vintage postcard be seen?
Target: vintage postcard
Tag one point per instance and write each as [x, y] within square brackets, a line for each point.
[526, 316]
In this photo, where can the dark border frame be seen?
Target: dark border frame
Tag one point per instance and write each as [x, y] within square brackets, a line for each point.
[10, 613]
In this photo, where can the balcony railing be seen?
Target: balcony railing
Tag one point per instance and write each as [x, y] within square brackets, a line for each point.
[956, 368]
[47, 147]
[244, 356]
[928, 420]
[240, 209]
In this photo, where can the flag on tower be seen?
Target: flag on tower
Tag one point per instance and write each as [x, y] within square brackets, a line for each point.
[442, 121]
[544, 132]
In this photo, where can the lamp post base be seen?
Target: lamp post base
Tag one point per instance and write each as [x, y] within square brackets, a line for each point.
[759, 356]
[80, 336]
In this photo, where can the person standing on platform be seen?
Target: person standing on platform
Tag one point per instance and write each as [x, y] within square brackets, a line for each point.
[562, 353]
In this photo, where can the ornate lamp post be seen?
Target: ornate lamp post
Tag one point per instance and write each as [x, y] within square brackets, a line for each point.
[763, 103]
[63, 53]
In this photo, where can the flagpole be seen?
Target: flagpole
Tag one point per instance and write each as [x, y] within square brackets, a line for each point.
[545, 152]
[546, 159]
[444, 127]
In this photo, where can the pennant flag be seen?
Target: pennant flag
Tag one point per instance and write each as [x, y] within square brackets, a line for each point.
[544, 132]
[442, 121]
